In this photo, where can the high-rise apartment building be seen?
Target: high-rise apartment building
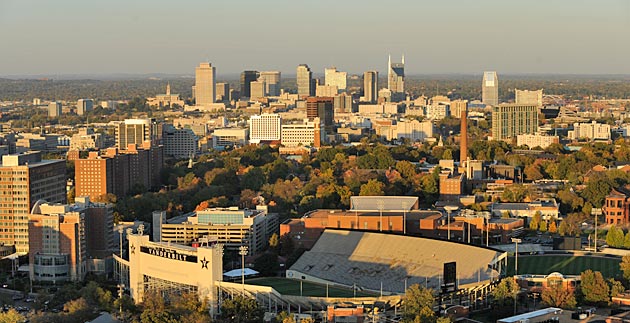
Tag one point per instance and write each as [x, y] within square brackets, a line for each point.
[332, 77]
[529, 97]
[510, 120]
[54, 109]
[205, 84]
[490, 89]
[396, 79]
[370, 86]
[117, 171]
[247, 77]
[84, 105]
[305, 81]
[264, 128]
[25, 179]
[180, 142]
[322, 108]
[272, 82]
[137, 131]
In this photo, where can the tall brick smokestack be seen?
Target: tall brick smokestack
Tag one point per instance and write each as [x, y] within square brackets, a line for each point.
[463, 140]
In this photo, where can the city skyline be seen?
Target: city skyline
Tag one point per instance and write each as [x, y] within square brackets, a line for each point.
[563, 37]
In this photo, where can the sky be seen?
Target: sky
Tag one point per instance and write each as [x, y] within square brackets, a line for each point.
[78, 37]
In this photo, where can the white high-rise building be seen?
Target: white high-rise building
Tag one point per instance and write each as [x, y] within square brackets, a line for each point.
[490, 88]
[84, 105]
[335, 78]
[590, 131]
[264, 128]
[205, 84]
[54, 109]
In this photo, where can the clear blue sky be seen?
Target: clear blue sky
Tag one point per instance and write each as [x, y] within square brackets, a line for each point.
[439, 36]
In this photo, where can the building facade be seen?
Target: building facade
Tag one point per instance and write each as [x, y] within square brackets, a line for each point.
[87, 139]
[247, 77]
[26, 178]
[510, 120]
[533, 141]
[590, 131]
[490, 89]
[137, 132]
[205, 84]
[264, 128]
[272, 82]
[229, 137]
[84, 105]
[307, 133]
[322, 108]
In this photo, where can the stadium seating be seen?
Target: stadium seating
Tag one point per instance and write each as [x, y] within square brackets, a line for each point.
[366, 259]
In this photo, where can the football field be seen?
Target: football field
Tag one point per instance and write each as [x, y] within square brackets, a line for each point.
[567, 265]
[288, 286]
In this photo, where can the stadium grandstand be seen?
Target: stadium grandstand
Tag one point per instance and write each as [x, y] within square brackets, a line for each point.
[375, 261]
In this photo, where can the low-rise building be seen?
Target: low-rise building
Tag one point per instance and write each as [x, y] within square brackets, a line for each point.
[232, 227]
[229, 137]
[533, 141]
[548, 208]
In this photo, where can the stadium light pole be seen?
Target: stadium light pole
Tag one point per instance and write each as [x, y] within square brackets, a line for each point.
[516, 241]
[405, 205]
[596, 212]
[242, 250]
[449, 209]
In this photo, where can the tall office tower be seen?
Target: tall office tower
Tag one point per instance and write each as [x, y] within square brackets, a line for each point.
[272, 82]
[84, 105]
[257, 89]
[54, 109]
[370, 86]
[26, 179]
[510, 120]
[223, 92]
[247, 77]
[529, 97]
[463, 140]
[205, 84]
[322, 108]
[264, 128]
[137, 131]
[57, 243]
[490, 89]
[332, 77]
[305, 81]
[396, 79]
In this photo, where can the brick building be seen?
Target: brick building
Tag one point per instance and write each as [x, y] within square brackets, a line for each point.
[617, 207]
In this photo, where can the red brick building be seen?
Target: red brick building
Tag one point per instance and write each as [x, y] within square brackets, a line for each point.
[617, 207]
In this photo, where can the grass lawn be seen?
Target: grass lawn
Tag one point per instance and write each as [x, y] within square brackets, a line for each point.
[288, 286]
[568, 265]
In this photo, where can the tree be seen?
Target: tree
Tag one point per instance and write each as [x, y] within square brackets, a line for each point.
[241, 310]
[616, 287]
[274, 241]
[11, 316]
[615, 237]
[543, 226]
[535, 221]
[372, 188]
[553, 227]
[79, 310]
[626, 241]
[593, 287]
[624, 265]
[506, 291]
[419, 302]
[558, 296]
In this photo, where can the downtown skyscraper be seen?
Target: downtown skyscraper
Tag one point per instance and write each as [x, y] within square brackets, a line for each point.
[247, 77]
[490, 88]
[305, 84]
[370, 86]
[205, 84]
[396, 79]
